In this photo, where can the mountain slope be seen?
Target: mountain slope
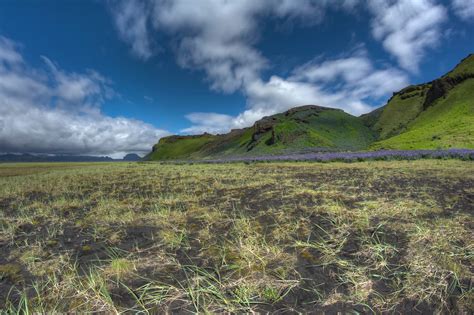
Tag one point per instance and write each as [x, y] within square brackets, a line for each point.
[300, 128]
[434, 115]
[401, 109]
[449, 123]
[179, 147]
[438, 114]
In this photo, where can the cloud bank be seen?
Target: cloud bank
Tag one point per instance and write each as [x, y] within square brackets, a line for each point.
[219, 37]
[347, 80]
[52, 111]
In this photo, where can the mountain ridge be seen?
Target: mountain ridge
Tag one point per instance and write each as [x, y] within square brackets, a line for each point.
[433, 115]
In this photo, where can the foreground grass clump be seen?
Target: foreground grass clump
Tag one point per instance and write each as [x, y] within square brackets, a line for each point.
[364, 237]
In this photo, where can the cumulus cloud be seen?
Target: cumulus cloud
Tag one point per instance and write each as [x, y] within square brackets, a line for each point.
[216, 36]
[346, 83]
[219, 37]
[354, 74]
[464, 9]
[209, 122]
[407, 28]
[53, 111]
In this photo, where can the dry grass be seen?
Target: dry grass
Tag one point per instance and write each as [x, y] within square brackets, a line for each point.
[278, 237]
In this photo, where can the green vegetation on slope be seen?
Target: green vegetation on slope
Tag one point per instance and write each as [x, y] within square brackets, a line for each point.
[402, 108]
[466, 66]
[308, 128]
[434, 115]
[437, 115]
[449, 123]
[330, 129]
[301, 128]
[176, 147]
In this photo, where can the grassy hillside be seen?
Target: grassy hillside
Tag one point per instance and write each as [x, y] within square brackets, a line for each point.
[465, 66]
[438, 114]
[177, 147]
[448, 123]
[402, 108]
[332, 129]
[301, 128]
[434, 115]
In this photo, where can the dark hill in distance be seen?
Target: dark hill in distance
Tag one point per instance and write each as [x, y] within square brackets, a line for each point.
[52, 158]
[132, 157]
[435, 115]
[26, 157]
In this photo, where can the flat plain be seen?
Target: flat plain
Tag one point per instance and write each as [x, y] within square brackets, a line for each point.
[377, 236]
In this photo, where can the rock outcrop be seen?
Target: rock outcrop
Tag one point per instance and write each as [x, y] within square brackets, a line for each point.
[440, 87]
[263, 126]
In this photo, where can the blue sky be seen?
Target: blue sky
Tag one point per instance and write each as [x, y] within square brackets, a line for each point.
[111, 77]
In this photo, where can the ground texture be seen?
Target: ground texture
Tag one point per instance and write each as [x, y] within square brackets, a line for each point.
[382, 237]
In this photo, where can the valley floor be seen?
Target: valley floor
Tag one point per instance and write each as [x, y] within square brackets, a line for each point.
[377, 236]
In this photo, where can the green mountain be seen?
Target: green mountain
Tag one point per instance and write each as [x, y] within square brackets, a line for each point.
[438, 114]
[294, 130]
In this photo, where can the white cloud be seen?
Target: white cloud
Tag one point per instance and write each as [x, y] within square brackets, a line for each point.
[208, 122]
[464, 9]
[85, 91]
[407, 28]
[216, 36]
[219, 36]
[354, 74]
[350, 69]
[58, 112]
[131, 20]
[345, 83]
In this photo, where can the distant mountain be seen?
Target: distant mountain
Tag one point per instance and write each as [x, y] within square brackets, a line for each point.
[132, 157]
[52, 158]
[434, 115]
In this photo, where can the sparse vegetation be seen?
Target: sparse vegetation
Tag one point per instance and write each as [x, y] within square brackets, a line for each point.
[393, 236]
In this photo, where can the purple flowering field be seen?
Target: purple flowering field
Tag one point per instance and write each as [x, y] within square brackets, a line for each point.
[463, 154]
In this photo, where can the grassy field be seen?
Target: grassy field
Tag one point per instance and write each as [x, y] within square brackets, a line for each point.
[279, 237]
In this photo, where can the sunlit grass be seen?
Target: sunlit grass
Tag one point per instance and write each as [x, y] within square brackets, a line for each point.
[260, 237]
